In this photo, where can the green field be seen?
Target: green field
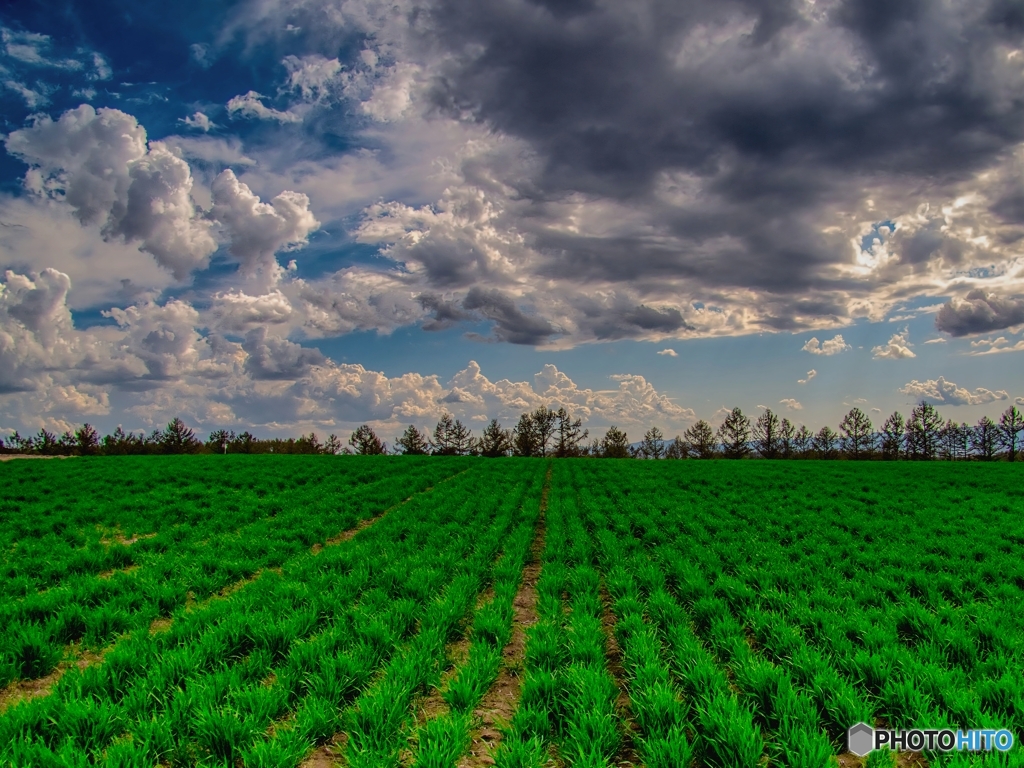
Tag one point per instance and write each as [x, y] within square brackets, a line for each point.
[428, 611]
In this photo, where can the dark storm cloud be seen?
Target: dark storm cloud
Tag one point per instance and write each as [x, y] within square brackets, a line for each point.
[782, 124]
[979, 312]
[445, 313]
[511, 324]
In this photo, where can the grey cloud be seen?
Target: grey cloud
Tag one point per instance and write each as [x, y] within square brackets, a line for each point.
[775, 111]
[979, 312]
[270, 357]
[445, 313]
[511, 323]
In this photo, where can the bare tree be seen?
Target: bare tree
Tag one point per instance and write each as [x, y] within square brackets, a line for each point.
[544, 424]
[802, 441]
[653, 444]
[1011, 424]
[985, 439]
[858, 436]
[701, 440]
[922, 432]
[826, 443]
[568, 434]
[767, 436]
[677, 449]
[892, 436]
[333, 445]
[734, 435]
[495, 440]
[615, 444]
[786, 433]
[366, 443]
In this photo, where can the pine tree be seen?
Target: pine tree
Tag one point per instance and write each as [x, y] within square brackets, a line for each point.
[545, 422]
[892, 436]
[802, 441]
[413, 442]
[767, 435]
[1011, 424]
[333, 445]
[653, 444]
[441, 443]
[734, 435]
[826, 443]
[87, 440]
[701, 440]
[525, 439]
[922, 432]
[495, 441]
[985, 439]
[615, 444]
[366, 443]
[858, 435]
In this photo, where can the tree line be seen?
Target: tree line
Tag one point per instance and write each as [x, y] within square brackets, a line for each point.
[546, 432]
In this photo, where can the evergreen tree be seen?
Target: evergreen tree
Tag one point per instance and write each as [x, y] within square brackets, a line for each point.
[985, 439]
[333, 445]
[545, 422]
[615, 444]
[677, 449]
[922, 432]
[1011, 424]
[461, 438]
[441, 444]
[219, 440]
[366, 443]
[892, 436]
[734, 435]
[802, 441]
[525, 439]
[826, 443]
[46, 443]
[653, 444]
[495, 441]
[413, 442]
[767, 435]
[176, 438]
[858, 435]
[701, 440]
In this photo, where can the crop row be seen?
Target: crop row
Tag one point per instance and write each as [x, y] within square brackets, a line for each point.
[185, 562]
[262, 675]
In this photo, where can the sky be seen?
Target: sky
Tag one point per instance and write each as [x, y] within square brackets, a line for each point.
[296, 215]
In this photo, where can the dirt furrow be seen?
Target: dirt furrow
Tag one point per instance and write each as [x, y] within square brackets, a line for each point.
[501, 700]
[627, 754]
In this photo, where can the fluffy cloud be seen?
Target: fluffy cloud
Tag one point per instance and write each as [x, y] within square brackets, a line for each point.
[251, 106]
[979, 312]
[259, 230]
[669, 352]
[100, 164]
[832, 346]
[791, 404]
[199, 121]
[810, 375]
[898, 348]
[939, 391]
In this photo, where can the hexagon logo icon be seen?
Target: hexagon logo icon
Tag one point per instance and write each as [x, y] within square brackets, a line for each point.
[860, 739]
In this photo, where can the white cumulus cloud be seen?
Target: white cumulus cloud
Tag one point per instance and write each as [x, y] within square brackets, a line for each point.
[939, 391]
[832, 346]
[898, 348]
[669, 353]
